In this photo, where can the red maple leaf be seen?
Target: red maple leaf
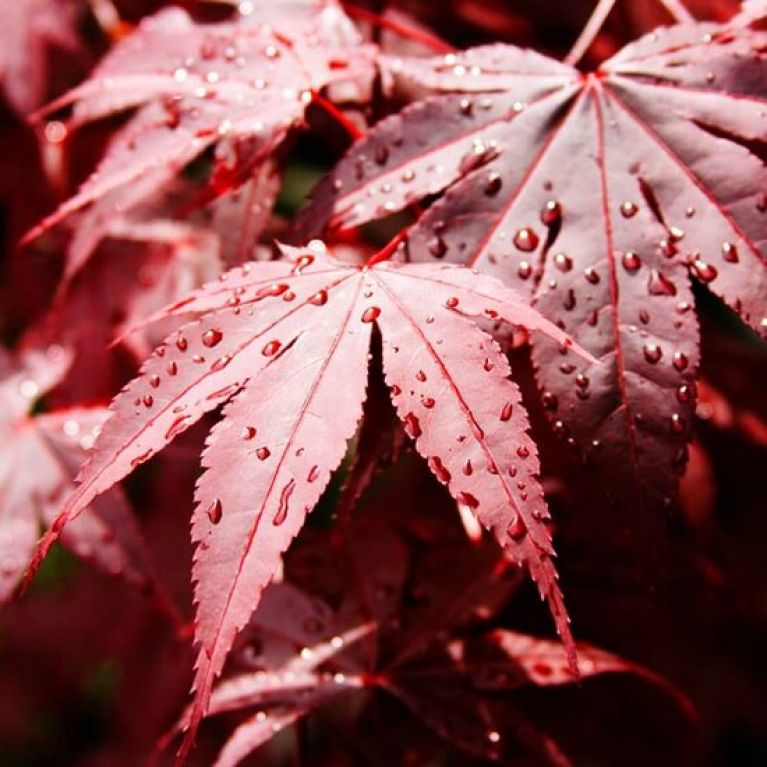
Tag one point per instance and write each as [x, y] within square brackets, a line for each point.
[39, 458]
[283, 346]
[238, 87]
[601, 198]
[411, 622]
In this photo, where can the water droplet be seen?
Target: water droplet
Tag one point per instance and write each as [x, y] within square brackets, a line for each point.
[522, 451]
[566, 368]
[677, 423]
[631, 261]
[282, 509]
[437, 246]
[551, 213]
[181, 343]
[468, 500]
[517, 528]
[644, 316]
[212, 337]
[314, 472]
[680, 361]
[628, 209]
[148, 400]
[493, 736]
[506, 411]
[729, 252]
[302, 262]
[172, 368]
[652, 353]
[438, 469]
[581, 381]
[761, 202]
[215, 511]
[248, 432]
[549, 400]
[660, 285]
[524, 270]
[271, 348]
[320, 298]
[428, 402]
[408, 175]
[371, 314]
[467, 468]
[526, 239]
[569, 302]
[591, 275]
[563, 262]
[488, 364]
[684, 393]
[703, 271]
[396, 390]
[466, 106]
[451, 302]
[412, 426]
[493, 184]
[263, 453]
[667, 248]
[154, 381]
[420, 376]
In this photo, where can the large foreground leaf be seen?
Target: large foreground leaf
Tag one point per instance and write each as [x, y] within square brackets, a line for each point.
[285, 345]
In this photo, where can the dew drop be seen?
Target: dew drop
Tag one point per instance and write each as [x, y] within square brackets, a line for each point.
[181, 343]
[524, 270]
[563, 262]
[631, 261]
[271, 348]
[522, 451]
[215, 511]
[628, 209]
[263, 453]
[549, 400]
[703, 271]
[420, 376]
[591, 275]
[729, 252]
[314, 472]
[248, 432]
[467, 468]
[412, 426]
[468, 500]
[451, 302]
[302, 262]
[569, 302]
[154, 381]
[680, 361]
[282, 509]
[677, 423]
[660, 285]
[371, 314]
[517, 528]
[212, 337]
[581, 381]
[493, 184]
[428, 402]
[320, 298]
[148, 400]
[437, 246]
[652, 353]
[506, 411]
[684, 393]
[526, 239]
[438, 469]
[551, 213]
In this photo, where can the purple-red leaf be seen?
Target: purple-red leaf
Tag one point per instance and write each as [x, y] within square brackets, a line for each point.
[600, 198]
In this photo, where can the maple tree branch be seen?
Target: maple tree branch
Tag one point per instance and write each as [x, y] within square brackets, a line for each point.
[590, 31]
[677, 11]
[404, 30]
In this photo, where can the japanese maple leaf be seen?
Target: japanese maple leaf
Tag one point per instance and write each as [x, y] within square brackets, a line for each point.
[600, 197]
[283, 346]
[238, 87]
[414, 626]
[29, 29]
[39, 458]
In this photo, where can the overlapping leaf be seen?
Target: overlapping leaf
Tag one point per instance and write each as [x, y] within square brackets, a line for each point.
[29, 30]
[403, 627]
[39, 458]
[285, 345]
[238, 87]
[602, 198]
